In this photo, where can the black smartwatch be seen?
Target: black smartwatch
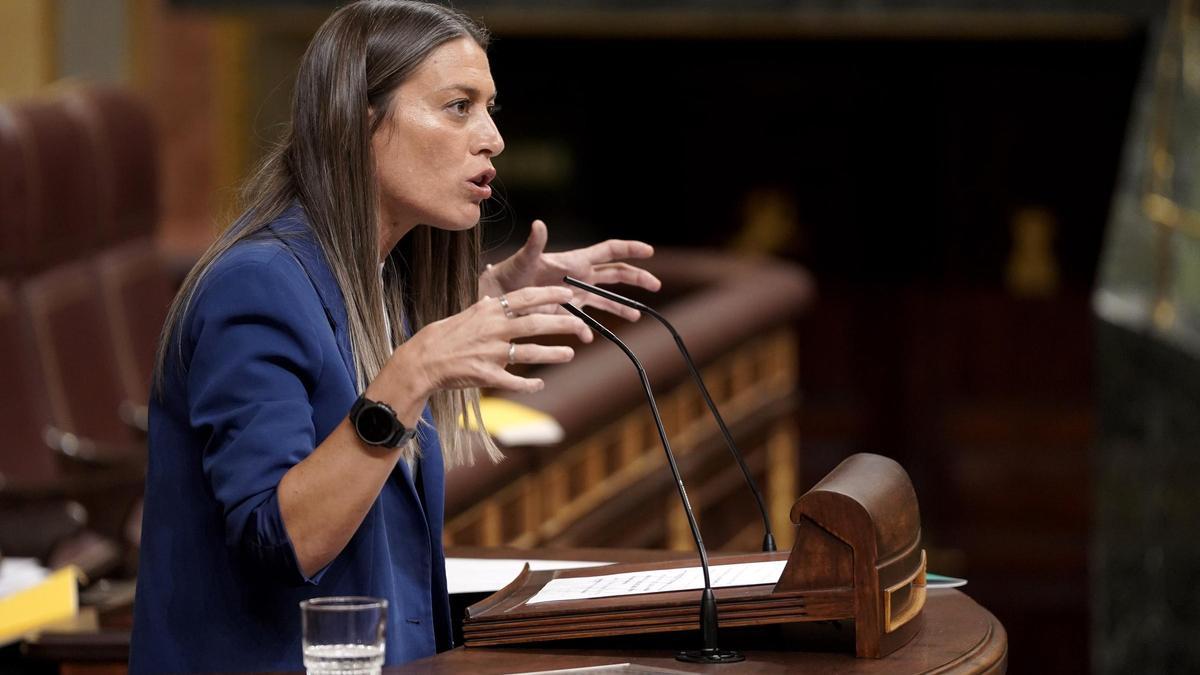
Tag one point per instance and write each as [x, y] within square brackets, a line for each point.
[376, 424]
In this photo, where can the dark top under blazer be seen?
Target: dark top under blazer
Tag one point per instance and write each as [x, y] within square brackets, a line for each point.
[266, 375]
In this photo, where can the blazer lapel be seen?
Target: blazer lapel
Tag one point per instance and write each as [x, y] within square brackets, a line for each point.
[432, 477]
[295, 232]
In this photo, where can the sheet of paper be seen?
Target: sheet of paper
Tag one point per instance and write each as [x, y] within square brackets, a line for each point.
[488, 575]
[18, 574]
[939, 581]
[659, 581]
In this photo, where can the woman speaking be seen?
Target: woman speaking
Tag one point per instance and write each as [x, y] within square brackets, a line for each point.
[316, 363]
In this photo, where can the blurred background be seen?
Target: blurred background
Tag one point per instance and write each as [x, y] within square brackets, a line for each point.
[995, 202]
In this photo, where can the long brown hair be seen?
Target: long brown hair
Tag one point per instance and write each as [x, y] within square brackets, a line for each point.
[356, 60]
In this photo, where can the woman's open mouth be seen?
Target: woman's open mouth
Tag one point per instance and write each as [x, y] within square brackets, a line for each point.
[480, 183]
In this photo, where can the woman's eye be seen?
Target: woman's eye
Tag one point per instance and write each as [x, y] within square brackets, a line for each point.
[493, 109]
[461, 107]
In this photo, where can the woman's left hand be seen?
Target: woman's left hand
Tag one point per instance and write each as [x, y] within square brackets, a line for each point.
[596, 264]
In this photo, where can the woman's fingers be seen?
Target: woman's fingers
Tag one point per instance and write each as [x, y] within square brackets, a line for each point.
[531, 353]
[535, 244]
[627, 313]
[508, 381]
[584, 299]
[624, 273]
[523, 300]
[548, 324]
[529, 315]
[617, 249]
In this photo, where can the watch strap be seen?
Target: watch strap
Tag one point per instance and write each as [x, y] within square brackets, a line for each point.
[403, 435]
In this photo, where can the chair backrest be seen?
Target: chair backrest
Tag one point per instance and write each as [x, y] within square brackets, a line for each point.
[137, 292]
[15, 198]
[64, 180]
[78, 171]
[125, 141]
[75, 352]
[23, 411]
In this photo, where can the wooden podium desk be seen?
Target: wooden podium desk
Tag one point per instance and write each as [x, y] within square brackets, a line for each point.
[959, 636]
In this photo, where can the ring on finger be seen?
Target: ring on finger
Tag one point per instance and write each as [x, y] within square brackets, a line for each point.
[506, 307]
[512, 352]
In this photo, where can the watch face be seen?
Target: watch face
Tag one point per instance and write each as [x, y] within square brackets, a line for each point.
[375, 424]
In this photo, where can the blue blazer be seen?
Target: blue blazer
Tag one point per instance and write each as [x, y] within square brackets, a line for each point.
[263, 375]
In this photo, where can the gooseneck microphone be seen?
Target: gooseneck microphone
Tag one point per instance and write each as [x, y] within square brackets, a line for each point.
[768, 538]
[708, 601]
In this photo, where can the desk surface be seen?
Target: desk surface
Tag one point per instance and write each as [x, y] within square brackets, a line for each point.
[958, 636]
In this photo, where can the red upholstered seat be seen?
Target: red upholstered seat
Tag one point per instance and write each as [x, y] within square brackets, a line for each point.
[41, 514]
[78, 207]
[23, 407]
[15, 197]
[75, 352]
[125, 143]
[137, 289]
[63, 179]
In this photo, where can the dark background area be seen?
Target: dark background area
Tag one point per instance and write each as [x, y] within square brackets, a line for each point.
[906, 162]
[906, 159]
[896, 149]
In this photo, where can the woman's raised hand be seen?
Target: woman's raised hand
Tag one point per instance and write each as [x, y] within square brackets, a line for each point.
[474, 347]
[596, 264]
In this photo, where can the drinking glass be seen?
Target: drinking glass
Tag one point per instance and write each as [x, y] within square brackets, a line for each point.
[343, 634]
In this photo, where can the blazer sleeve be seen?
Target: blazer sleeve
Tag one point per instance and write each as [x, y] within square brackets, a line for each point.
[255, 359]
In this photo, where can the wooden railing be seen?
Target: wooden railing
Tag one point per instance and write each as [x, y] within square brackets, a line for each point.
[606, 484]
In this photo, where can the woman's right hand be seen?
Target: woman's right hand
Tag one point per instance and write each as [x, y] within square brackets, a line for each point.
[471, 348]
[468, 349]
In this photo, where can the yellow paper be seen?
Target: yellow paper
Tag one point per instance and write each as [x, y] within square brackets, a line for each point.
[54, 599]
[515, 424]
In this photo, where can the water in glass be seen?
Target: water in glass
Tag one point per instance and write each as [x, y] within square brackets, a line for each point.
[344, 634]
[343, 659]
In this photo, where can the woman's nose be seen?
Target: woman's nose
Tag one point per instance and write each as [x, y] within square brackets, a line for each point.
[489, 140]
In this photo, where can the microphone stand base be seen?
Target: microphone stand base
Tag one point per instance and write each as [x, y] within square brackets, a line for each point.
[710, 656]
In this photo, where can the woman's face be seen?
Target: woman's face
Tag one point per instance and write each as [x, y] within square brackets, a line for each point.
[433, 155]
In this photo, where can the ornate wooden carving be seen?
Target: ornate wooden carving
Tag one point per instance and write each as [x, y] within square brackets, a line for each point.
[857, 557]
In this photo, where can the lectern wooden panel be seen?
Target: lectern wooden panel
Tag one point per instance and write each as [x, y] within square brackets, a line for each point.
[856, 557]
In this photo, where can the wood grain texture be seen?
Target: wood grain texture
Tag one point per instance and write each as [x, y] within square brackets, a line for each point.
[860, 527]
[856, 557]
[958, 636]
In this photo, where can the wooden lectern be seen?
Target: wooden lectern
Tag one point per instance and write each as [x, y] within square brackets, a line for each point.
[857, 557]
